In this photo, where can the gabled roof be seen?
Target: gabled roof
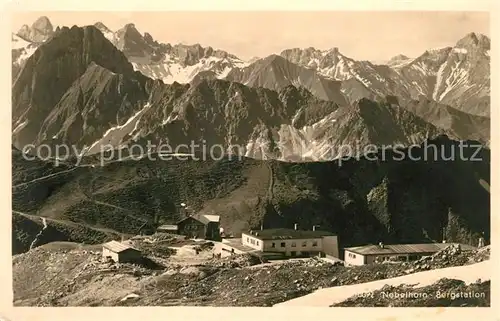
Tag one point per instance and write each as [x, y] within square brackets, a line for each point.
[189, 217]
[209, 218]
[204, 219]
[118, 247]
[404, 248]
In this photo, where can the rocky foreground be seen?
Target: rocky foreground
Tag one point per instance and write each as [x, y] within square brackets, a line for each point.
[74, 275]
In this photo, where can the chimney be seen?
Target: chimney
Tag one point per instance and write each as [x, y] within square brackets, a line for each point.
[381, 245]
[261, 226]
[295, 226]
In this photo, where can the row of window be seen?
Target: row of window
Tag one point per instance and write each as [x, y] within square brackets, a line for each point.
[400, 258]
[252, 241]
[294, 244]
[386, 258]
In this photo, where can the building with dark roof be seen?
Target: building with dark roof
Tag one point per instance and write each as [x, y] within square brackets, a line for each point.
[200, 226]
[120, 252]
[368, 254]
[292, 242]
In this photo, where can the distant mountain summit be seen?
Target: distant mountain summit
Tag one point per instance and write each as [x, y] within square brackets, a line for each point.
[463, 80]
[39, 31]
[169, 63]
[458, 76]
[398, 60]
[27, 39]
[90, 86]
[275, 72]
[473, 40]
[97, 98]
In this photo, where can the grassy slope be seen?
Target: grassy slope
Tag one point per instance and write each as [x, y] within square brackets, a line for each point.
[363, 201]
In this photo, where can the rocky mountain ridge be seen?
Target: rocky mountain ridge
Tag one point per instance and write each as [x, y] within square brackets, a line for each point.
[97, 99]
[456, 76]
[169, 63]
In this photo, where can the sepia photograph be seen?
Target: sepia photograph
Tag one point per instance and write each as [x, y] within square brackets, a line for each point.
[250, 158]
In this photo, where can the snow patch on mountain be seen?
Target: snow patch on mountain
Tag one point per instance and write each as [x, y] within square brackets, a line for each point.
[457, 77]
[19, 127]
[439, 79]
[18, 42]
[170, 71]
[22, 49]
[460, 50]
[114, 135]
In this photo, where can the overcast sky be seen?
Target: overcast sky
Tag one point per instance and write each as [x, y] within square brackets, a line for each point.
[375, 36]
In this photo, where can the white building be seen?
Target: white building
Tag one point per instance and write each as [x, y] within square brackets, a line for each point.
[368, 254]
[292, 242]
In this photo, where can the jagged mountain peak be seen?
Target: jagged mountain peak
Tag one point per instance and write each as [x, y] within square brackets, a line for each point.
[23, 29]
[274, 58]
[398, 58]
[297, 49]
[43, 24]
[130, 30]
[82, 45]
[129, 26]
[101, 26]
[148, 37]
[332, 51]
[40, 30]
[473, 39]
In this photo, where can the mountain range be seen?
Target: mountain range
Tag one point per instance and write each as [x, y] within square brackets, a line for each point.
[89, 87]
[457, 76]
[293, 113]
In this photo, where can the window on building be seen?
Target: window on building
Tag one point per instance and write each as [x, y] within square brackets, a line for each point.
[282, 244]
[257, 242]
[248, 239]
[273, 244]
[315, 243]
[304, 244]
[294, 244]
